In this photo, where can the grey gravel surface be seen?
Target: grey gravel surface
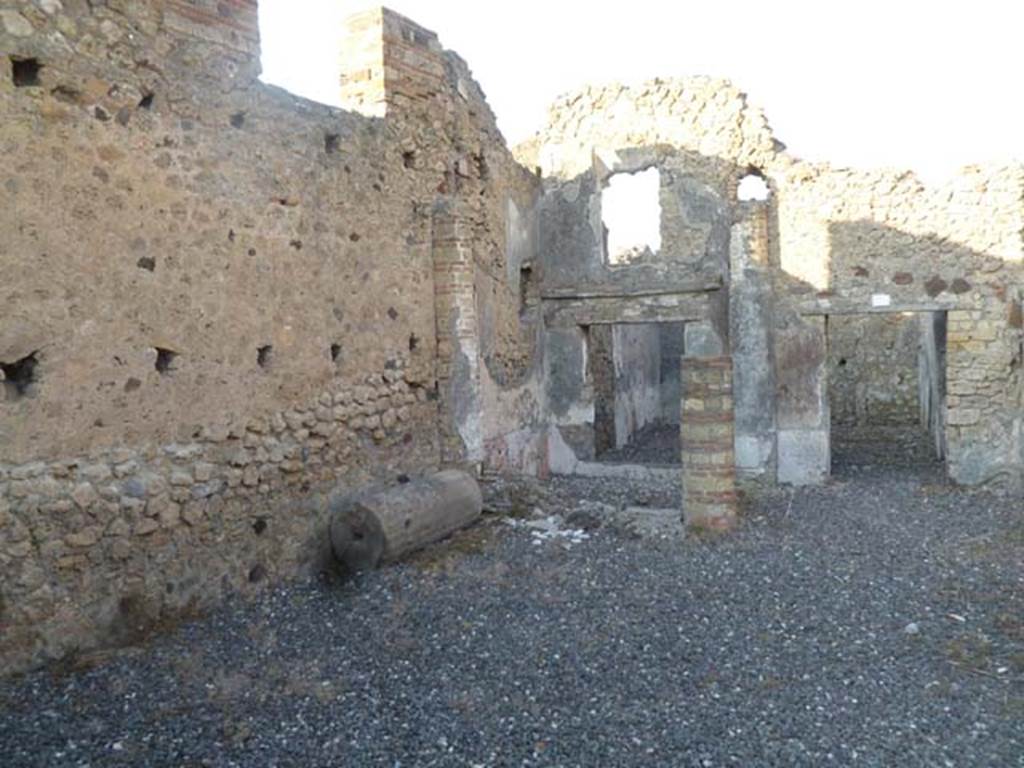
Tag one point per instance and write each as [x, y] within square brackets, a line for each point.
[654, 444]
[866, 448]
[878, 621]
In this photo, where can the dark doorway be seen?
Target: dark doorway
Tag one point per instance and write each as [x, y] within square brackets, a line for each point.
[634, 371]
[887, 390]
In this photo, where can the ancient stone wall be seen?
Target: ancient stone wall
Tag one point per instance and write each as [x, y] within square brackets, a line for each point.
[217, 303]
[873, 369]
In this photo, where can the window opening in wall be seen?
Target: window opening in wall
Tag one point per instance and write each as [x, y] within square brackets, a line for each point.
[335, 352]
[631, 214]
[753, 187]
[20, 377]
[633, 372]
[887, 390]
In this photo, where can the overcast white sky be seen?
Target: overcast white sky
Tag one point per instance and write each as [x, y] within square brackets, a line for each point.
[907, 83]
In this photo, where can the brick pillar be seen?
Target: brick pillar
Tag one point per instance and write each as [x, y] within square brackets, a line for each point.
[388, 61]
[458, 344]
[707, 432]
[232, 24]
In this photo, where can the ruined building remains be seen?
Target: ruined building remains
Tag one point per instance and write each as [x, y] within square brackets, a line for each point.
[220, 302]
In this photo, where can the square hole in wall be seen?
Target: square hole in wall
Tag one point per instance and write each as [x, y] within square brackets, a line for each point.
[20, 377]
[265, 356]
[631, 214]
[165, 360]
[25, 72]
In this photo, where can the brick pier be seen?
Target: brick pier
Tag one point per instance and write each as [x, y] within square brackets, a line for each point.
[707, 431]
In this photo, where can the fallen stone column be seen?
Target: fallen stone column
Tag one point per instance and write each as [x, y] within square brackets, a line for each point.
[383, 524]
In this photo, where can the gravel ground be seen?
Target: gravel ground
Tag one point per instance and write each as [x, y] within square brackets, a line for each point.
[654, 444]
[867, 448]
[878, 621]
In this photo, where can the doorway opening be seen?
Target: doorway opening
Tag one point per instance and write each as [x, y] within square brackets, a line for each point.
[887, 390]
[633, 369]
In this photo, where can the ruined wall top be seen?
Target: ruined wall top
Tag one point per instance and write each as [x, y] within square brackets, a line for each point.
[711, 117]
[387, 58]
[704, 115]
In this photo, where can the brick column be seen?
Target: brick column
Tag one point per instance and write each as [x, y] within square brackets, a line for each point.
[388, 61]
[458, 345]
[707, 431]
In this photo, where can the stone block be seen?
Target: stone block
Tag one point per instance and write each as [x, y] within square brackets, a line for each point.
[804, 456]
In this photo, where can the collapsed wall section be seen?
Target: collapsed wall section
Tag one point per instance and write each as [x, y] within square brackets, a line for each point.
[825, 242]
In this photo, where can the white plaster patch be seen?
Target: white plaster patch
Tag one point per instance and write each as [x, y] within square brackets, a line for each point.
[753, 452]
[881, 300]
[561, 458]
[804, 456]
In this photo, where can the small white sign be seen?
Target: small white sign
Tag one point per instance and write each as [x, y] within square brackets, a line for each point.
[881, 300]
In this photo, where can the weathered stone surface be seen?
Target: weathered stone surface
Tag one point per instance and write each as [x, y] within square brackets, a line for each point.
[84, 495]
[85, 538]
[873, 369]
[804, 456]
